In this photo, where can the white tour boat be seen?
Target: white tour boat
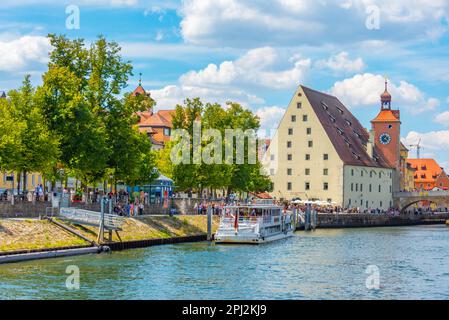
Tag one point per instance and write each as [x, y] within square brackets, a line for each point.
[254, 224]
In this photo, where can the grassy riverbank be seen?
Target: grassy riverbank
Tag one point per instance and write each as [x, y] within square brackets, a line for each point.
[29, 234]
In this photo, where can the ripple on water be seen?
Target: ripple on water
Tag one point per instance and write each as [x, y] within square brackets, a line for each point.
[325, 264]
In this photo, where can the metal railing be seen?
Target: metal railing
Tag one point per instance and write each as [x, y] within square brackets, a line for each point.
[91, 218]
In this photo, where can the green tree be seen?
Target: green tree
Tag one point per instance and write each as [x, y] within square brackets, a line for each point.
[36, 149]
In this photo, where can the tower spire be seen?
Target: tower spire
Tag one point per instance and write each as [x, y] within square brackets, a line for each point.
[140, 79]
[385, 98]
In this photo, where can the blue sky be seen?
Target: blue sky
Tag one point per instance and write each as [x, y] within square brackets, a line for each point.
[256, 52]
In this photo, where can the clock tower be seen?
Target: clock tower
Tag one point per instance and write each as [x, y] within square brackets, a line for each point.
[387, 130]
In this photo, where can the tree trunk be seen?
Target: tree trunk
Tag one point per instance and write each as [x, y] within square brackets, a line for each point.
[24, 188]
[19, 180]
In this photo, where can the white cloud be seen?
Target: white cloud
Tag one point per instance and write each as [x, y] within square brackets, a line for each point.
[435, 144]
[159, 35]
[443, 118]
[170, 96]
[341, 63]
[270, 117]
[365, 90]
[233, 22]
[257, 67]
[20, 53]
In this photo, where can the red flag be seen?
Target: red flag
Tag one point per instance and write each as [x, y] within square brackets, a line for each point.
[236, 222]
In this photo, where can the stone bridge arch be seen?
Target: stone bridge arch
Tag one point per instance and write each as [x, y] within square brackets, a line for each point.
[405, 200]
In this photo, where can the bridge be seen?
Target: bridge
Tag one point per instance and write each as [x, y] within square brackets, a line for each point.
[408, 198]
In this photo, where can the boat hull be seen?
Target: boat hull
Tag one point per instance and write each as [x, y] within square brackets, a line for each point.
[251, 239]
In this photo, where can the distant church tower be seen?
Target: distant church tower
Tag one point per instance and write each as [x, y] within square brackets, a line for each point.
[387, 130]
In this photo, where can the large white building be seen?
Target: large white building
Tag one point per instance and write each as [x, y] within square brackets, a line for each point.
[320, 151]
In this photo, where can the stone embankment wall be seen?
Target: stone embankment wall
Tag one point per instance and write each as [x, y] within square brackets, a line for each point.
[373, 220]
[25, 209]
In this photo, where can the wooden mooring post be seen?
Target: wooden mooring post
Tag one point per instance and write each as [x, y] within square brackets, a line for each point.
[209, 223]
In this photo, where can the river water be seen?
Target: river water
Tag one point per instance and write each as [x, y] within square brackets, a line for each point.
[412, 263]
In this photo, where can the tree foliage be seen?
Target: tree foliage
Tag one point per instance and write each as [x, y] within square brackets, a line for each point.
[222, 175]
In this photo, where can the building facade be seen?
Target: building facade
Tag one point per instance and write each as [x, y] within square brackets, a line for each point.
[320, 151]
[428, 174]
[157, 125]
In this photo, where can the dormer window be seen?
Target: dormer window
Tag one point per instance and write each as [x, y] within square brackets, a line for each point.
[339, 110]
[340, 131]
[324, 105]
[332, 119]
[349, 123]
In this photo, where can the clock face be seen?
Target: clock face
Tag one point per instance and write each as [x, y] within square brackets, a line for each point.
[385, 138]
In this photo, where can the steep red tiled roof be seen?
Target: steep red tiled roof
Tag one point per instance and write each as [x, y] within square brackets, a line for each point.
[386, 115]
[139, 90]
[346, 133]
[427, 170]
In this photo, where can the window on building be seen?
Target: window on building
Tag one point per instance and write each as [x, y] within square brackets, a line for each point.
[289, 144]
[167, 132]
[380, 188]
[272, 172]
[304, 118]
[307, 157]
[325, 186]
[309, 131]
[325, 172]
[348, 122]
[361, 187]
[356, 187]
[380, 175]
[352, 187]
[391, 189]
[352, 172]
[33, 182]
[272, 157]
[370, 188]
[339, 110]
[289, 172]
[289, 186]
[329, 200]
[290, 131]
[307, 171]
[361, 173]
[367, 204]
[289, 157]
[324, 105]
[310, 144]
[325, 156]
[293, 118]
[350, 201]
[370, 174]
[307, 186]
[381, 204]
[298, 105]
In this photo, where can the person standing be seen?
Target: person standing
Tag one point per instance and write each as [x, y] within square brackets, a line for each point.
[141, 207]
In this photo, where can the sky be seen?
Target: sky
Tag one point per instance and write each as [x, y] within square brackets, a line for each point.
[256, 52]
